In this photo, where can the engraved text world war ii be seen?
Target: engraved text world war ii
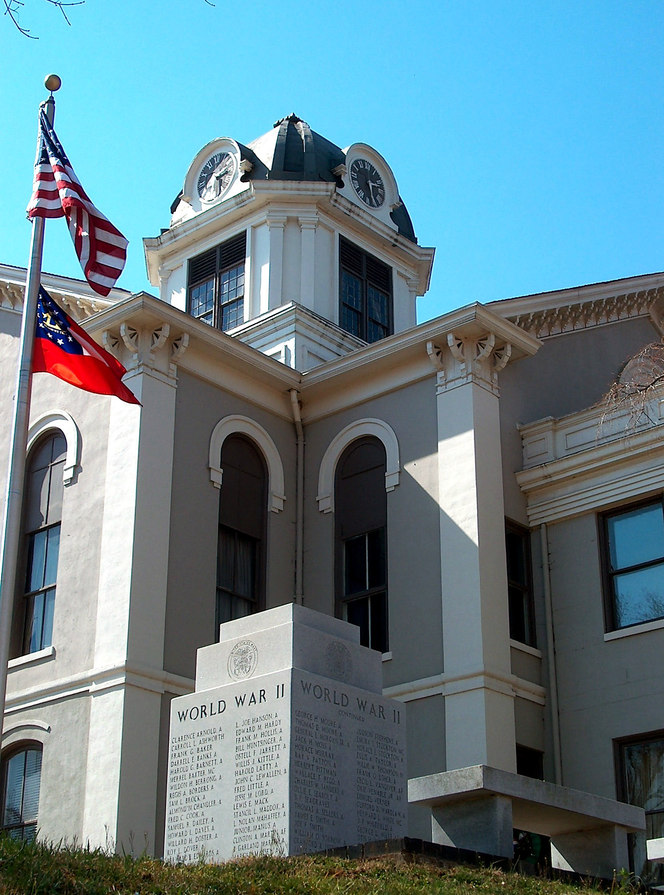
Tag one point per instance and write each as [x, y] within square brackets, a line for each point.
[287, 745]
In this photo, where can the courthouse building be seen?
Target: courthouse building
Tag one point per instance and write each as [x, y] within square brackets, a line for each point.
[454, 488]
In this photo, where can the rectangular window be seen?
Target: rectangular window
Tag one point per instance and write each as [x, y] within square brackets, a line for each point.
[519, 584]
[365, 302]
[237, 567]
[364, 591]
[216, 284]
[634, 564]
[42, 569]
[642, 784]
[42, 513]
[20, 802]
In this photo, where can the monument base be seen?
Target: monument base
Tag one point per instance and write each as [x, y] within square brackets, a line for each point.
[287, 746]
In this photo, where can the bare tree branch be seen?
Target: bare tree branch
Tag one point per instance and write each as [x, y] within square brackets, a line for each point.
[61, 6]
[635, 386]
[12, 8]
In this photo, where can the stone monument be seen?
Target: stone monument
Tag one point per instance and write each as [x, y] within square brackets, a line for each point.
[287, 745]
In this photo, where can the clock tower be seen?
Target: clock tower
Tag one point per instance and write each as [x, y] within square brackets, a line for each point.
[298, 247]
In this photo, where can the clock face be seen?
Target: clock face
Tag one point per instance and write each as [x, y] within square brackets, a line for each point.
[216, 176]
[367, 183]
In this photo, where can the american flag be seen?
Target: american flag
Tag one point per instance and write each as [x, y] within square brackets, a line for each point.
[101, 248]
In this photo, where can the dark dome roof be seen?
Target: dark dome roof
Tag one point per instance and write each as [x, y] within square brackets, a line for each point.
[292, 151]
[295, 152]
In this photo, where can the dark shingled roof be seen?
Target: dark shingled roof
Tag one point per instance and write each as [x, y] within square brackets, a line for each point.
[302, 154]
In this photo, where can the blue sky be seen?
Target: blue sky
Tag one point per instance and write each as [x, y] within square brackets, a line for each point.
[527, 139]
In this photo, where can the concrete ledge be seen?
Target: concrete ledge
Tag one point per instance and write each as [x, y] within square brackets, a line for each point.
[655, 850]
[537, 806]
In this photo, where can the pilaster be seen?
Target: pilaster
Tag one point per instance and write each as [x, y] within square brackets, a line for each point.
[131, 602]
[308, 225]
[276, 224]
[479, 710]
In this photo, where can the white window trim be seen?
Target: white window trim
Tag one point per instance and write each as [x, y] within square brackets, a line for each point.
[526, 648]
[653, 625]
[60, 419]
[243, 425]
[32, 658]
[28, 731]
[359, 429]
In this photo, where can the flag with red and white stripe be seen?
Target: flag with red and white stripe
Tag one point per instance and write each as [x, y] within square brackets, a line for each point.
[101, 248]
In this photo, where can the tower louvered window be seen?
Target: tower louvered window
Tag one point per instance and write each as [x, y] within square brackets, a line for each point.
[365, 293]
[216, 284]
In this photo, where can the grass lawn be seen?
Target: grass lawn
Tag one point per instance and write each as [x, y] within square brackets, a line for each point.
[35, 869]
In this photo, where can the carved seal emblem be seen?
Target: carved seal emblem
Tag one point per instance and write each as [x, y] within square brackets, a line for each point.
[242, 660]
[338, 661]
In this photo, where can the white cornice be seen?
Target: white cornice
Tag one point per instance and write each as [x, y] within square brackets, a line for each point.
[292, 198]
[92, 681]
[447, 685]
[567, 310]
[75, 296]
[229, 363]
[401, 359]
[211, 354]
[587, 462]
[473, 322]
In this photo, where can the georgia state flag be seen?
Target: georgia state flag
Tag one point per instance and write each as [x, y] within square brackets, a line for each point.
[64, 349]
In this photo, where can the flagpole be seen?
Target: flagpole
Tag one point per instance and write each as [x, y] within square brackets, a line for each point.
[16, 473]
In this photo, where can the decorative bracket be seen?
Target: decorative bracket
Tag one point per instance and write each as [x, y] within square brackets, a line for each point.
[465, 359]
[129, 336]
[149, 349]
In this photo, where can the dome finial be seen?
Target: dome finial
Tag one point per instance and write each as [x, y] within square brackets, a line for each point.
[292, 117]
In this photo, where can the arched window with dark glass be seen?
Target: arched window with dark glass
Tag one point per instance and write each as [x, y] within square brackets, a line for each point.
[361, 541]
[241, 544]
[21, 779]
[42, 515]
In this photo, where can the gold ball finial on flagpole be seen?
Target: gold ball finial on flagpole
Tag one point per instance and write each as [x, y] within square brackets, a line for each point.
[52, 83]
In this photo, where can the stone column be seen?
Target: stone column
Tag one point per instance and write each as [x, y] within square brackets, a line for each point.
[479, 705]
[128, 659]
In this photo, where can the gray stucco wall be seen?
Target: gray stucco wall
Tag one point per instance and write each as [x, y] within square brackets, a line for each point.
[414, 593]
[607, 689]
[569, 373]
[190, 607]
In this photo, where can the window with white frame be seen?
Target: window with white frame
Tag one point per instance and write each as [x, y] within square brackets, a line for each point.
[365, 300]
[216, 284]
[361, 553]
[42, 513]
[634, 564]
[241, 537]
[21, 779]
[520, 584]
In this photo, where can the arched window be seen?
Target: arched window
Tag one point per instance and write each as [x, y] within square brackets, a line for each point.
[241, 545]
[361, 540]
[21, 778]
[41, 541]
